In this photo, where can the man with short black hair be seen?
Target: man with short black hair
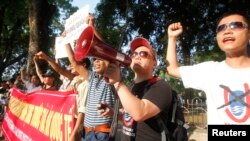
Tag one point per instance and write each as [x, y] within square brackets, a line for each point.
[96, 127]
[31, 85]
[225, 83]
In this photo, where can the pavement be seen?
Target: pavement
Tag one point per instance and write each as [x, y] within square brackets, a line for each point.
[194, 134]
[197, 134]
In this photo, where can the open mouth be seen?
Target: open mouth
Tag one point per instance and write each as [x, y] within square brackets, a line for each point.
[228, 39]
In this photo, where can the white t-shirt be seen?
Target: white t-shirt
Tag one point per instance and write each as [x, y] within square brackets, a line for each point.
[82, 90]
[65, 83]
[226, 90]
[31, 88]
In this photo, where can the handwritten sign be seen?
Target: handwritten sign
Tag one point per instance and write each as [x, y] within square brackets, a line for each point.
[74, 26]
[76, 23]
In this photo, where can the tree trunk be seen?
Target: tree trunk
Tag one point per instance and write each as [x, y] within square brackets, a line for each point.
[39, 16]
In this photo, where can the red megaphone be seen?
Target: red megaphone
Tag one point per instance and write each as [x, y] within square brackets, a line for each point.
[89, 45]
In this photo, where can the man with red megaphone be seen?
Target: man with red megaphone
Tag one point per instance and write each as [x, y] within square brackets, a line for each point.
[100, 94]
[147, 97]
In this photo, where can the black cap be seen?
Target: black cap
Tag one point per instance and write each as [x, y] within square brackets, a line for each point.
[48, 74]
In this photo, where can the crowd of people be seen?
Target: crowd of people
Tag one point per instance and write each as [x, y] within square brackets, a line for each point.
[225, 83]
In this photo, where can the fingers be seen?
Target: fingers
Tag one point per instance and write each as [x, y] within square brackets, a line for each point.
[175, 26]
[106, 113]
[101, 106]
[113, 73]
[63, 34]
[112, 67]
[104, 110]
[41, 55]
[103, 113]
[35, 58]
[174, 30]
[90, 19]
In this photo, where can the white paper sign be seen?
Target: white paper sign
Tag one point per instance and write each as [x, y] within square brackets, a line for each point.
[74, 26]
[76, 23]
[60, 48]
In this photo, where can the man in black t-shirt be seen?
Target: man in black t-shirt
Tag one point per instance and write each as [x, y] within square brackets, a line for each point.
[142, 102]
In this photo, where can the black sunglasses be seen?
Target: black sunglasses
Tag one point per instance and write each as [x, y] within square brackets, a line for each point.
[232, 25]
[143, 54]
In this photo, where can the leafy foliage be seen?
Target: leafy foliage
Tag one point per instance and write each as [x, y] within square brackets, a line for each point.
[120, 22]
[14, 32]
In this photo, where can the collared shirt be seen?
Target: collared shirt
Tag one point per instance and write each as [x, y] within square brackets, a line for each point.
[99, 92]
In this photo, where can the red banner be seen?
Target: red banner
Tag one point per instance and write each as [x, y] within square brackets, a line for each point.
[40, 116]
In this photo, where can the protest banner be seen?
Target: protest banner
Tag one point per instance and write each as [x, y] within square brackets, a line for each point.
[39, 116]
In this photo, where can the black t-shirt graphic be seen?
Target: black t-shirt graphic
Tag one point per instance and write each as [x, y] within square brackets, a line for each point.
[158, 93]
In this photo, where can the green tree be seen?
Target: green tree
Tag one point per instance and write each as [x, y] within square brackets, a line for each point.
[150, 18]
[28, 26]
[13, 34]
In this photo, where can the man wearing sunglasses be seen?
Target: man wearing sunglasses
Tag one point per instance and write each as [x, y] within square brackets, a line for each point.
[225, 83]
[141, 103]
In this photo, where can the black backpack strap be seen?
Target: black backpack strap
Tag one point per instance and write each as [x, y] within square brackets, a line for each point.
[113, 128]
[165, 135]
[174, 109]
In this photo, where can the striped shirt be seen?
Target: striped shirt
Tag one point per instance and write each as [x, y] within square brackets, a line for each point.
[99, 92]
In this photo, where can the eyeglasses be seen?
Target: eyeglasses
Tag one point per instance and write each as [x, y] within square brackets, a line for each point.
[232, 25]
[142, 54]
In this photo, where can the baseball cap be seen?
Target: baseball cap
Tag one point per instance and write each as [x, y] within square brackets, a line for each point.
[140, 41]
